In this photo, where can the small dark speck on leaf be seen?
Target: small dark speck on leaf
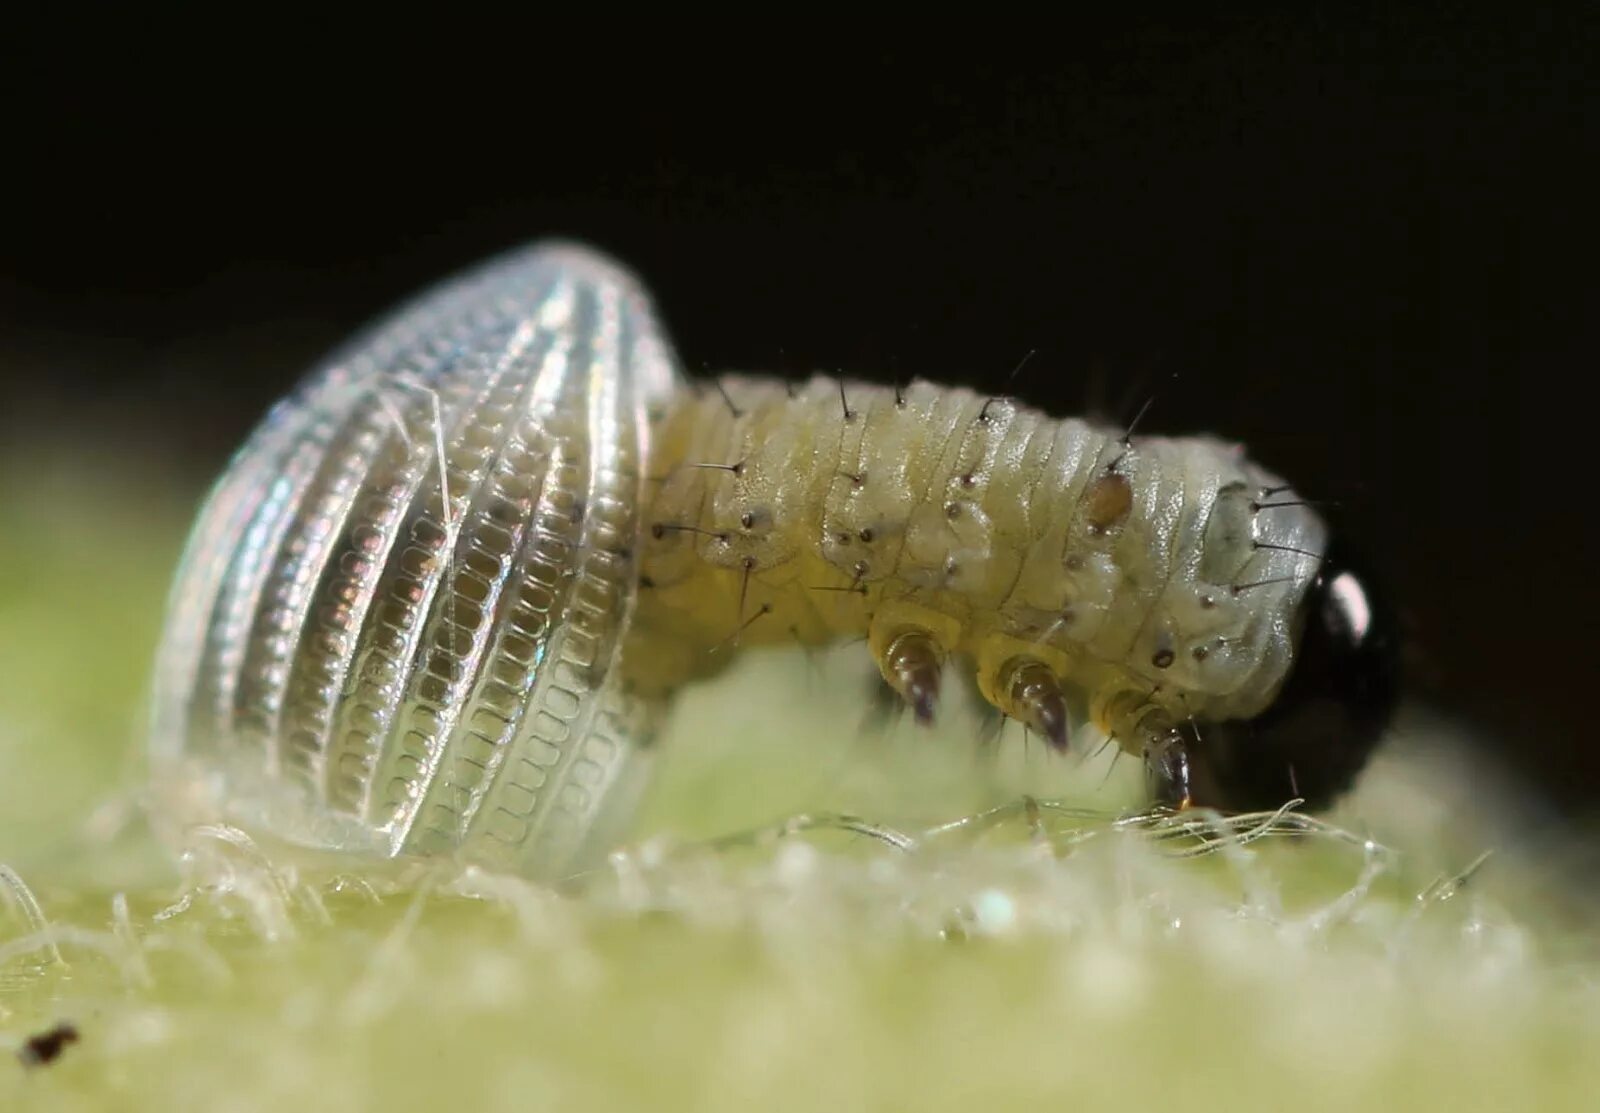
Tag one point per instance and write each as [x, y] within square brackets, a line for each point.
[46, 1047]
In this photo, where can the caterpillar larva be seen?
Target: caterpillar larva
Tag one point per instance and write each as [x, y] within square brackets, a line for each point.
[438, 599]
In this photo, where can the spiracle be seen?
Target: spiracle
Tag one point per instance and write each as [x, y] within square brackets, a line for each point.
[437, 602]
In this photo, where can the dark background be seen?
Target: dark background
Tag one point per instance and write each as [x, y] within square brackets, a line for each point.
[1364, 245]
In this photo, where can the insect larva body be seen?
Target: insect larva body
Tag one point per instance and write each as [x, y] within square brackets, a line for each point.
[439, 597]
[1003, 531]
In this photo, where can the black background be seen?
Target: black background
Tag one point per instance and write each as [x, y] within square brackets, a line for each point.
[1364, 246]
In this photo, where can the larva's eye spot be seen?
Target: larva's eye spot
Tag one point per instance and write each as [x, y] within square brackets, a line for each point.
[952, 510]
[969, 481]
[1200, 652]
[1107, 502]
[1208, 601]
[866, 536]
[844, 539]
[1163, 658]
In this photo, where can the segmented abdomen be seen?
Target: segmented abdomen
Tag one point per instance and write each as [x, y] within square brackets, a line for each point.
[1167, 569]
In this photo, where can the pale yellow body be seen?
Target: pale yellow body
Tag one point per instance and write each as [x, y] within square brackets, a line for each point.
[813, 513]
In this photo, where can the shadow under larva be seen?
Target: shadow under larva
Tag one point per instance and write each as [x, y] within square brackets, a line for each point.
[440, 598]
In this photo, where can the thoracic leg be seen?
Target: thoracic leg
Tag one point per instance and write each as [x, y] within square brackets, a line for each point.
[1030, 693]
[910, 643]
[911, 664]
[1167, 771]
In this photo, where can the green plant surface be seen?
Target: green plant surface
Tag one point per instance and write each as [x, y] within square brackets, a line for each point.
[1036, 957]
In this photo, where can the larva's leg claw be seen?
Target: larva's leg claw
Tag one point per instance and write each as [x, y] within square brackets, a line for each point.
[912, 666]
[1033, 695]
[1167, 772]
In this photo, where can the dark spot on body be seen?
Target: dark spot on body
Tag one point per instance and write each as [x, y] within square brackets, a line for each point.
[1163, 658]
[1107, 502]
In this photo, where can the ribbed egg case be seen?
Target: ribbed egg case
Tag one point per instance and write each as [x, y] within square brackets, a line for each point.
[398, 618]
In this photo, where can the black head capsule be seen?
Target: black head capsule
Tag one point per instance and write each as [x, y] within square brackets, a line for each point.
[1327, 719]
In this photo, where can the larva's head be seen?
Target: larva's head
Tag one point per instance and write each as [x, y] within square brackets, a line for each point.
[1340, 695]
